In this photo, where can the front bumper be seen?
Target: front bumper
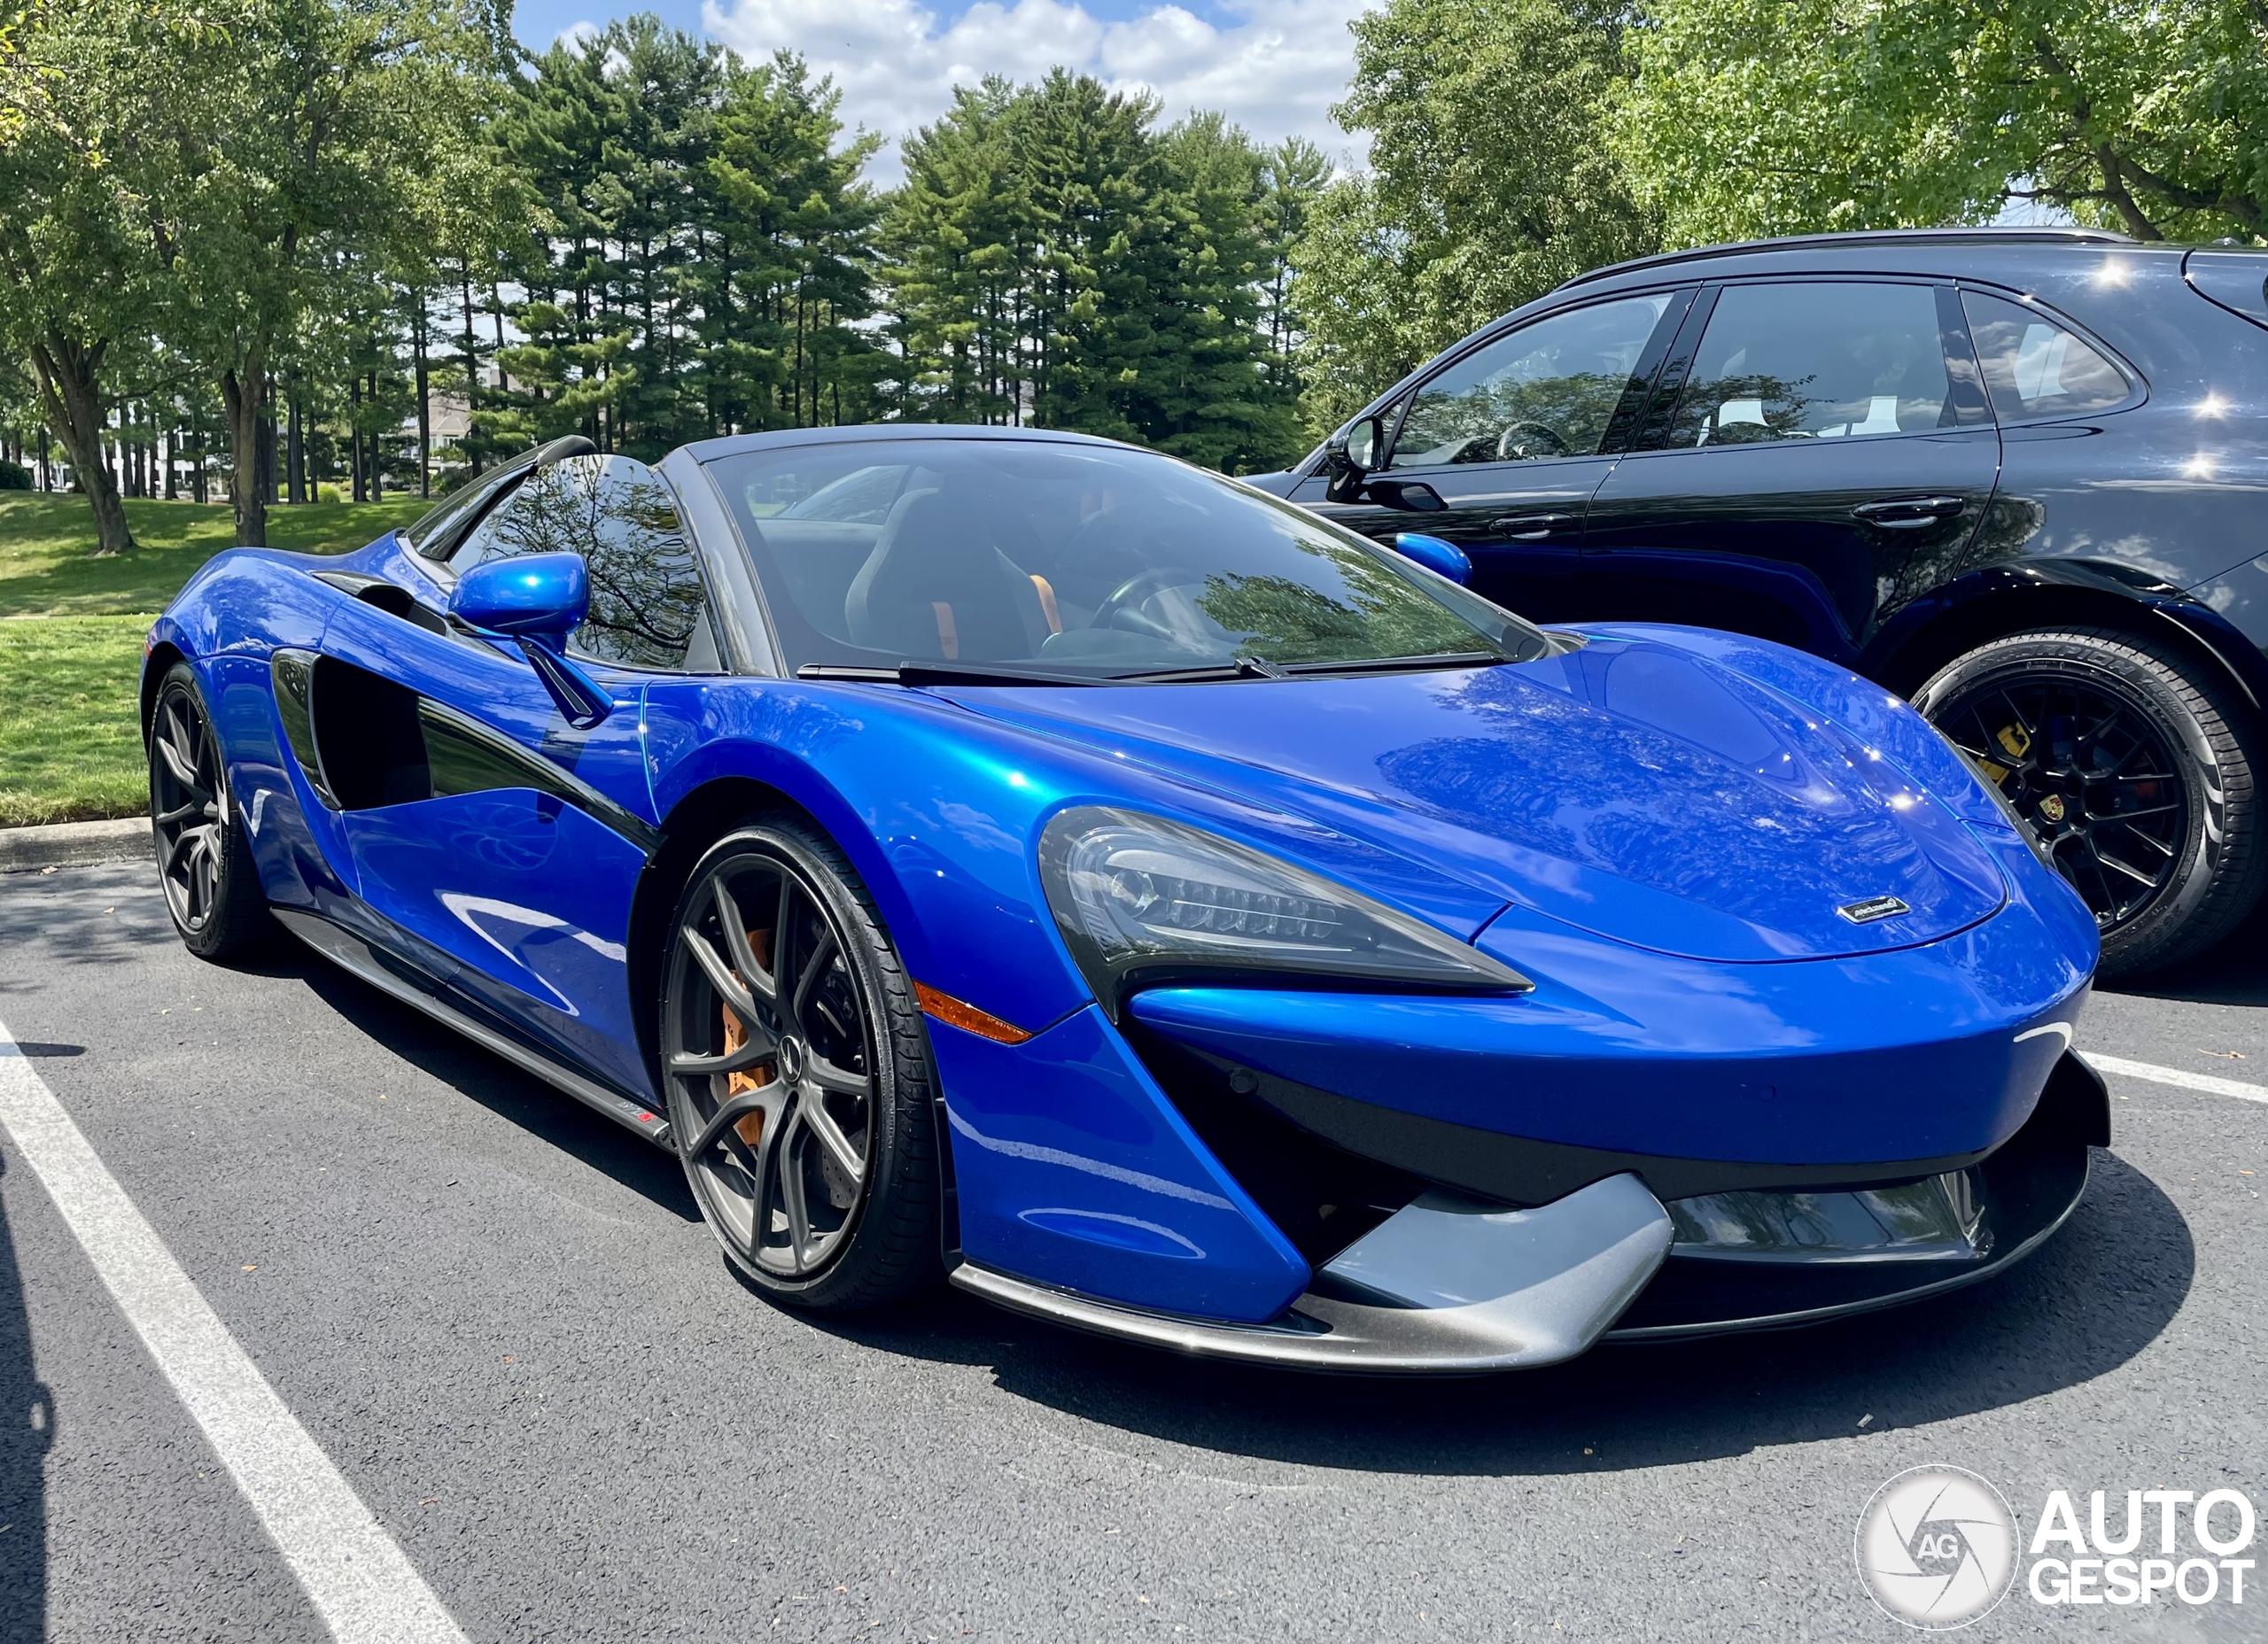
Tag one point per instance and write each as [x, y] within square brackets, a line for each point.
[1447, 1285]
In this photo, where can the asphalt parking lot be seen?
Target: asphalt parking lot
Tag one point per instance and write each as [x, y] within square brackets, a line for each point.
[500, 1320]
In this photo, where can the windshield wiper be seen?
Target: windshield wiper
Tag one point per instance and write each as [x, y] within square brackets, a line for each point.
[946, 674]
[1259, 667]
[1246, 667]
[1202, 673]
[1403, 664]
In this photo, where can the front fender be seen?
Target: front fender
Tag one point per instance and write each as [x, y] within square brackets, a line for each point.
[935, 807]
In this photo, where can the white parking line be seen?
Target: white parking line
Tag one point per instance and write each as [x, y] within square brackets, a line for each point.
[2186, 1080]
[361, 1583]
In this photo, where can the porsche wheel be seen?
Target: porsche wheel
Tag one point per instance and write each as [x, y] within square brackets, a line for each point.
[798, 1073]
[2129, 769]
[203, 860]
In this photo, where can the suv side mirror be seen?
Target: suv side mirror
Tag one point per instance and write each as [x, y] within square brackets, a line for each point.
[536, 601]
[1349, 457]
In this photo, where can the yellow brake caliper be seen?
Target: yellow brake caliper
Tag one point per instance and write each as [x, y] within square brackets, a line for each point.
[2017, 742]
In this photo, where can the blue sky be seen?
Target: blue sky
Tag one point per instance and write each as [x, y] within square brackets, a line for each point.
[1274, 66]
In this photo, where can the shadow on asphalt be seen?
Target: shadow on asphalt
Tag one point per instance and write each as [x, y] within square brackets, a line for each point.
[551, 1116]
[27, 1429]
[2233, 971]
[2095, 1296]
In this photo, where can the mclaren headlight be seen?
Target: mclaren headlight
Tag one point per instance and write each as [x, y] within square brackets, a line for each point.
[1141, 899]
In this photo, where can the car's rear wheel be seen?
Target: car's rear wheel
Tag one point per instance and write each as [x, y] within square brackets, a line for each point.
[798, 1072]
[203, 860]
[2131, 767]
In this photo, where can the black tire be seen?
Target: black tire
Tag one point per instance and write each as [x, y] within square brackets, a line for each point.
[204, 858]
[808, 1138]
[2131, 763]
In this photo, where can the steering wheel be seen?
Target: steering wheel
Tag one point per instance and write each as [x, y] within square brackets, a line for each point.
[1133, 591]
[1519, 442]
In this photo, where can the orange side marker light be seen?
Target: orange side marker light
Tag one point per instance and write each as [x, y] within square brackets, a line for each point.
[955, 1013]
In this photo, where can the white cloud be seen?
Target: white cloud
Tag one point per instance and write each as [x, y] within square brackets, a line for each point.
[1273, 66]
[574, 35]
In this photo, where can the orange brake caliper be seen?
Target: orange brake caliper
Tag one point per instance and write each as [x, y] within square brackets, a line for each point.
[751, 1126]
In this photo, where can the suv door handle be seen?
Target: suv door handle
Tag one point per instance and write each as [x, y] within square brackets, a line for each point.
[1532, 527]
[1905, 513]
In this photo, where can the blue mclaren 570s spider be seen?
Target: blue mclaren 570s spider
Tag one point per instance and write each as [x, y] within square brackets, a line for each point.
[1024, 858]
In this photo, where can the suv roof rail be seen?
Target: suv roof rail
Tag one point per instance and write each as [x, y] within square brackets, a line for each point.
[1860, 236]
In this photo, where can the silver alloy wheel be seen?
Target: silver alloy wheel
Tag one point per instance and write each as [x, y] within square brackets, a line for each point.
[187, 808]
[769, 1045]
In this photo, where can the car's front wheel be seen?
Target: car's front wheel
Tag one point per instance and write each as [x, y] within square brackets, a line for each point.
[205, 861]
[798, 1072]
[2130, 766]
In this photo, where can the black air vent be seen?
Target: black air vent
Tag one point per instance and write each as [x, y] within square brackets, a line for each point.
[367, 732]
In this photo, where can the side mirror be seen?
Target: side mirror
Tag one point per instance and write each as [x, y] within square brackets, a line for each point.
[536, 601]
[1349, 457]
[1444, 558]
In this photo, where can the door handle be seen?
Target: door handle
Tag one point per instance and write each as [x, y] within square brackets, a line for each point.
[1532, 527]
[1905, 513]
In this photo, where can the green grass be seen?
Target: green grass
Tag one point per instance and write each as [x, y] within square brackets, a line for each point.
[71, 630]
[48, 567]
[69, 747]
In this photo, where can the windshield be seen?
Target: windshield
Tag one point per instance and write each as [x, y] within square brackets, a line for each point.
[1089, 559]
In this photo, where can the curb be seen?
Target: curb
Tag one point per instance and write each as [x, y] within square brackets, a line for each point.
[72, 844]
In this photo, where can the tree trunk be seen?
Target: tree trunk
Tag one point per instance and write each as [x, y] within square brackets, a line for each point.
[471, 374]
[72, 406]
[244, 391]
[354, 435]
[266, 456]
[377, 454]
[424, 407]
[295, 456]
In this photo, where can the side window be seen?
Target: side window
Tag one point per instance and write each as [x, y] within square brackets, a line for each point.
[1820, 359]
[1549, 390]
[2034, 367]
[649, 608]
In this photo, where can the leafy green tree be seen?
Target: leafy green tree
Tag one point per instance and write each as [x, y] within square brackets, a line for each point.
[702, 258]
[1294, 178]
[1219, 394]
[281, 136]
[77, 259]
[1058, 261]
[962, 238]
[1491, 181]
[554, 131]
[786, 275]
[1755, 117]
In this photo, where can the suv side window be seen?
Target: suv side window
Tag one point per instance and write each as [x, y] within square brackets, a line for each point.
[1549, 390]
[2033, 367]
[1816, 360]
[649, 606]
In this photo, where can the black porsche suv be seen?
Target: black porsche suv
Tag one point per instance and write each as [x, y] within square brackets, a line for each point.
[2020, 475]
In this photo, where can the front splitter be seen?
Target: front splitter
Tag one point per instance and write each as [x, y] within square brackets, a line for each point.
[1625, 1292]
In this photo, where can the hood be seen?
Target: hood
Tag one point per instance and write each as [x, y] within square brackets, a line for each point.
[1636, 791]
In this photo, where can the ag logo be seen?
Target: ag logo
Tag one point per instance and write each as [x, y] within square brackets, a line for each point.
[1937, 1546]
